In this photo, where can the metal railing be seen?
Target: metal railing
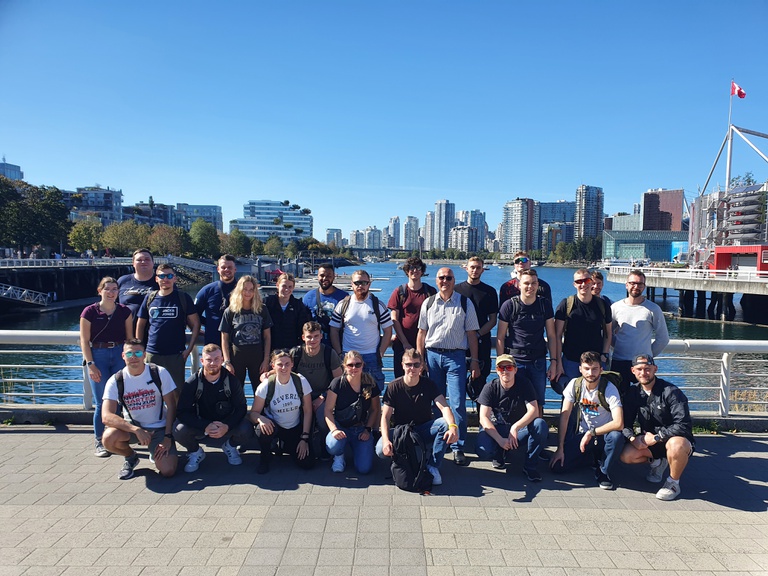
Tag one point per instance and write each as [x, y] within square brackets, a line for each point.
[62, 263]
[723, 377]
[24, 295]
[693, 273]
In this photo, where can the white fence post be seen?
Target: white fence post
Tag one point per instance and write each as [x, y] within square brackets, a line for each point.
[725, 384]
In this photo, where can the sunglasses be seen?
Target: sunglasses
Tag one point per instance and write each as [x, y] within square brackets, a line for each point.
[506, 368]
[166, 276]
[522, 260]
[445, 278]
[412, 364]
[354, 365]
[132, 353]
[581, 281]
[361, 282]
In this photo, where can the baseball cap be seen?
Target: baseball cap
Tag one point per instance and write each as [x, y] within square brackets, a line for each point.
[643, 359]
[506, 358]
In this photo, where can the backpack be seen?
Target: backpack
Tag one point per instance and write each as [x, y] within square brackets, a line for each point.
[319, 314]
[225, 383]
[297, 352]
[272, 383]
[120, 380]
[402, 293]
[345, 306]
[431, 300]
[409, 460]
[605, 377]
[570, 303]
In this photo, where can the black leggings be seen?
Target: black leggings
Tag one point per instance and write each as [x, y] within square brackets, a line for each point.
[290, 438]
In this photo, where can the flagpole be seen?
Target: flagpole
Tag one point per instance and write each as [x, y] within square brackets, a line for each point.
[730, 141]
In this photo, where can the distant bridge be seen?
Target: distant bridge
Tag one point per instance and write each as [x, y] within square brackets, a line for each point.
[725, 281]
[18, 294]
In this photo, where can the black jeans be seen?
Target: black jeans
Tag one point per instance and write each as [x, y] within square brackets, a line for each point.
[290, 438]
[190, 437]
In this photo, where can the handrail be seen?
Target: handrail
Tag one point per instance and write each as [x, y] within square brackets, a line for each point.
[694, 273]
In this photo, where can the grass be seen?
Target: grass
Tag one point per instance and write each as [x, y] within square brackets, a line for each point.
[746, 400]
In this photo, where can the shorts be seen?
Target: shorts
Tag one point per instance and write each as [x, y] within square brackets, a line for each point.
[158, 435]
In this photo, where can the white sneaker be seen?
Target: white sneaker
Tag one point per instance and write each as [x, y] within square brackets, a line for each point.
[338, 463]
[436, 478]
[233, 456]
[658, 468]
[193, 460]
[669, 491]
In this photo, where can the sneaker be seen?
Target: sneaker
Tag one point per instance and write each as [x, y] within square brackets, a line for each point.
[603, 480]
[126, 472]
[545, 456]
[100, 451]
[459, 458]
[338, 463]
[263, 466]
[669, 491]
[436, 478]
[532, 474]
[232, 455]
[498, 464]
[193, 460]
[658, 468]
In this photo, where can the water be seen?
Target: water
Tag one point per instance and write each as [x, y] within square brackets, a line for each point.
[387, 278]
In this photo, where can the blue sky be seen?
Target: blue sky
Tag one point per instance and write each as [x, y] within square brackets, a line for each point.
[362, 110]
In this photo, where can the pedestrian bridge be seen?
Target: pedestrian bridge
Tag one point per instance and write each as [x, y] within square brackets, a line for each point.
[726, 281]
[18, 294]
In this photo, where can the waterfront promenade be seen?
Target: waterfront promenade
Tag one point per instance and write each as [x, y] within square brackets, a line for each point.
[64, 512]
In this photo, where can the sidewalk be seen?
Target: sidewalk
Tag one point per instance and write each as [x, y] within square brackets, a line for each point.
[63, 511]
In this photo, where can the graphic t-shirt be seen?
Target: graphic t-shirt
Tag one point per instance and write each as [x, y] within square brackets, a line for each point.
[285, 407]
[141, 396]
[132, 292]
[592, 412]
[507, 405]
[167, 323]
[245, 328]
[313, 368]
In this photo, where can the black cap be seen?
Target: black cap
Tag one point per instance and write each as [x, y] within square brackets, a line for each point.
[643, 359]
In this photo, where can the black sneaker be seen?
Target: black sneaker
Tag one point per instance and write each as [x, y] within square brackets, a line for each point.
[532, 474]
[126, 472]
[263, 466]
[544, 456]
[498, 464]
[603, 480]
[459, 458]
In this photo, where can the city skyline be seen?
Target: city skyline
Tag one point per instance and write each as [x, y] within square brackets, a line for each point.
[317, 103]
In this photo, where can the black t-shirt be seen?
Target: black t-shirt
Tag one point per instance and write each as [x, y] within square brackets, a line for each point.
[584, 330]
[346, 396]
[411, 403]
[525, 332]
[484, 298]
[508, 406]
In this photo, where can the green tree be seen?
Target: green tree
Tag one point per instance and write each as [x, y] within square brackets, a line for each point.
[86, 235]
[166, 239]
[122, 238]
[292, 250]
[235, 243]
[205, 239]
[273, 246]
[747, 180]
[257, 247]
[32, 215]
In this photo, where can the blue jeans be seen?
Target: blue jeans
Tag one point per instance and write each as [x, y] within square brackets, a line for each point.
[536, 372]
[373, 367]
[449, 371]
[109, 361]
[606, 452]
[431, 432]
[535, 435]
[362, 451]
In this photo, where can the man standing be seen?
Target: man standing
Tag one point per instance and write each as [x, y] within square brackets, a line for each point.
[323, 299]
[167, 312]
[594, 436]
[447, 329]
[512, 287]
[133, 288]
[405, 304]
[212, 404]
[635, 320]
[509, 418]
[213, 298]
[141, 389]
[585, 320]
[486, 303]
[666, 431]
[357, 324]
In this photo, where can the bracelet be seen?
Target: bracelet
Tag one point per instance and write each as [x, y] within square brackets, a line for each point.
[169, 436]
[305, 435]
[453, 426]
[304, 440]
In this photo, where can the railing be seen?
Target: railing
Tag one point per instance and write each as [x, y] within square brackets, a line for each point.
[62, 263]
[725, 377]
[693, 273]
[24, 295]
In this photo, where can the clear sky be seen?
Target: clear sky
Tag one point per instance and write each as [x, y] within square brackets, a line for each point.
[365, 109]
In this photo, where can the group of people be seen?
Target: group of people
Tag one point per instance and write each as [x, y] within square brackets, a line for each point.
[319, 391]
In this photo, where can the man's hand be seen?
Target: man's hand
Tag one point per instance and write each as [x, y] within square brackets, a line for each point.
[648, 439]
[265, 425]
[558, 456]
[386, 448]
[216, 430]
[452, 435]
[186, 354]
[230, 368]
[474, 367]
[512, 438]
[585, 440]
[316, 403]
[339, 434]
[163, 449]
[143, 436]
[302, 449]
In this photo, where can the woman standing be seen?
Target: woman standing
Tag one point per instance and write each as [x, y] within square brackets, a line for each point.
[289, 314]
[352, 408]
[104, 327]
[246, 332]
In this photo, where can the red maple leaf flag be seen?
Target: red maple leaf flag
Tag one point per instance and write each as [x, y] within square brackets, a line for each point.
[737, 90]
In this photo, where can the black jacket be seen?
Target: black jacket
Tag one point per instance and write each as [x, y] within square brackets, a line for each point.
[663, 412]
[213, 405]
[287, 324]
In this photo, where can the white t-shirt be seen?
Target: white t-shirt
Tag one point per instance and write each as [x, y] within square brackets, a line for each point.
[285, 407]
[592, 412]
[141, 396]
[361, 329]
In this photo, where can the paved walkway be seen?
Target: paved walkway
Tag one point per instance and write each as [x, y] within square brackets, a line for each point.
[63, 511]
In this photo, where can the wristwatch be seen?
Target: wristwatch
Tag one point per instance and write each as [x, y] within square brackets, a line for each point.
[604, 357]
[593, 431]
[657, 438]
[89, 363]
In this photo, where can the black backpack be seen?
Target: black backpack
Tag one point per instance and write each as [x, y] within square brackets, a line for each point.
[409, 460]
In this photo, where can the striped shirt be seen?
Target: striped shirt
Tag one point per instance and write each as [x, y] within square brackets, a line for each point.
[446, 323]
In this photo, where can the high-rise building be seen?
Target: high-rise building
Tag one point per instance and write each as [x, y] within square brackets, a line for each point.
[429, 231]
[589, 212]
[553, 233]
[517, 220]
[411, 233]
[463, 238]
[11, 171]
[662, 210]
[356, 239]
[106, 204]
[394, 230]
[333, 236]
[188, 213]
[549, 212]
[462, 217]
[265, 218]
[445, 214]
[372, 237]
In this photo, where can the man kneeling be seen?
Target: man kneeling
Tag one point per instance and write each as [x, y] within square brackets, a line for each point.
[508, 418]
[141, 389]
[212, 404]
[666, 431]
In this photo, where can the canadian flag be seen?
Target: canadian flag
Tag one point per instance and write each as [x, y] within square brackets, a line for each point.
[737, 90]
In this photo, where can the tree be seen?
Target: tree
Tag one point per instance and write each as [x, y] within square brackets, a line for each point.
[273, 246]
[86, 235]
[292, 250]
[32, 215]
[257, 247]
[166, 239]
[122, 238]
[235, 243]
[747, 180]
[205, 239]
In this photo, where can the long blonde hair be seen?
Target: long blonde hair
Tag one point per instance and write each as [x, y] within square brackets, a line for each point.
[236, 298]
[366, 380]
